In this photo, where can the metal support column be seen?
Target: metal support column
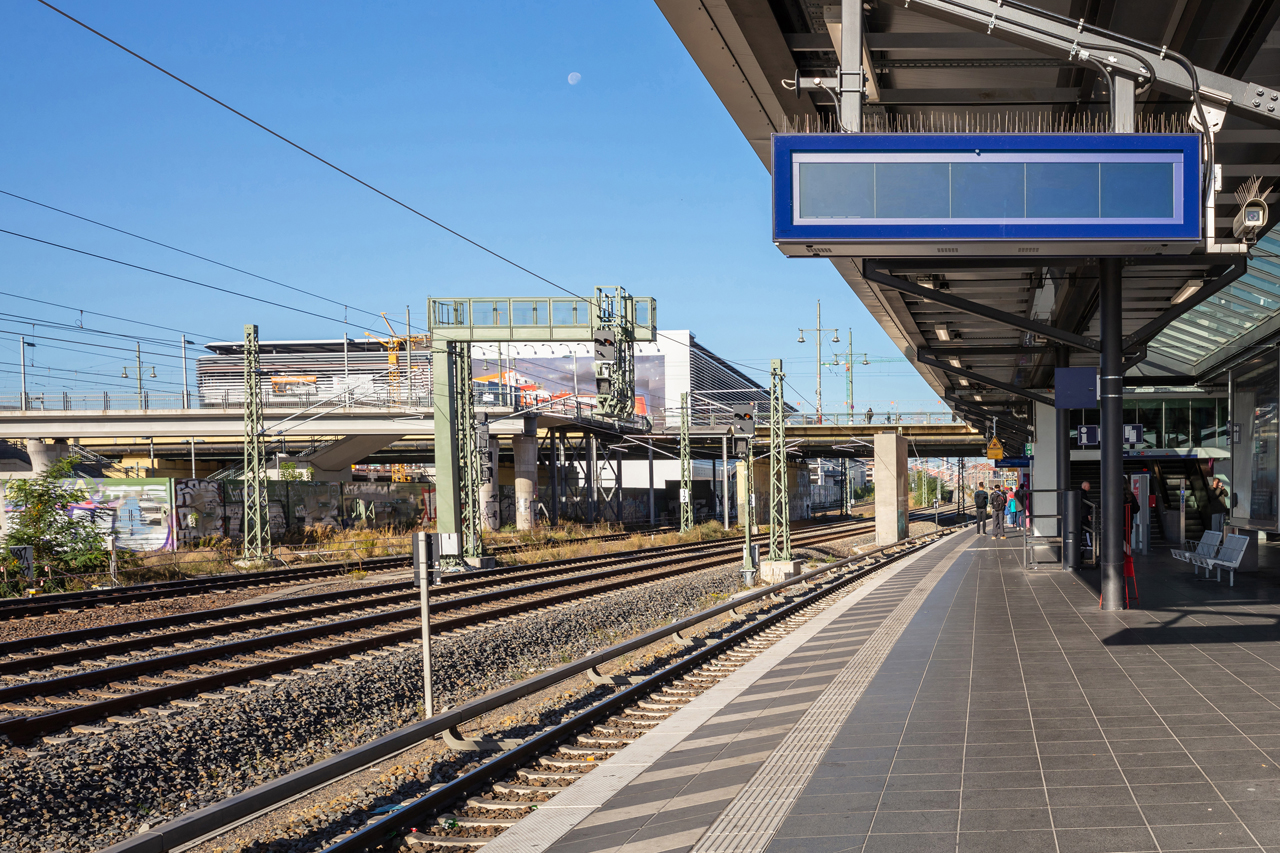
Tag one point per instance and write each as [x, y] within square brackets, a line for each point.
[779, 504]
[593, 474]
[724, 478]
[553, 437]
[468, 452]
[444, 398]
[851, 83]
[653, 519]
[686, 467]
[1111, 391]
[1062, 429]
[257, 516]
[186, 395]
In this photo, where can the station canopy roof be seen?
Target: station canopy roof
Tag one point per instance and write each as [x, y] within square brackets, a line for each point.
[926, 72]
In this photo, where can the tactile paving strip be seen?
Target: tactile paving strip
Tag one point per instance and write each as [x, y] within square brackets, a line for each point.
[750, 821]
[542, 829]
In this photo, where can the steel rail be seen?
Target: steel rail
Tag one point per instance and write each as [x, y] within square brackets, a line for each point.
[213, 819]
[52, 602]
[22, 729]
[464, 582]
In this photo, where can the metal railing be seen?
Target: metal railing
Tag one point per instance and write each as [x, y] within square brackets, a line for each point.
[233, 400]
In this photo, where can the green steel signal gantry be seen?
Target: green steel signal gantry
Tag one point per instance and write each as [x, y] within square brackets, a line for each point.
[613, 321]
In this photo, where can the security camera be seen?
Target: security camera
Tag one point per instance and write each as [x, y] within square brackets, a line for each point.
[1251, 219]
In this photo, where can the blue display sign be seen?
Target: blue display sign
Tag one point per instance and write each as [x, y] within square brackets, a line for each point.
[911, 194]
[1087, 435]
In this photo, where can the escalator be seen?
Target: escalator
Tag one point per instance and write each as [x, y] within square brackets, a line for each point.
[1168, 476]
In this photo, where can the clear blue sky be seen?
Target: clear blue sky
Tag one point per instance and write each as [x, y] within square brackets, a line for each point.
[633, 176]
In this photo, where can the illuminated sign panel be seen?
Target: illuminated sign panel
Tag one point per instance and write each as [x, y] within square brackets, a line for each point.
[920, 194]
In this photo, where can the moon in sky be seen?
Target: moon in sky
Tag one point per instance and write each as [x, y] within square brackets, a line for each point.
[574, 78]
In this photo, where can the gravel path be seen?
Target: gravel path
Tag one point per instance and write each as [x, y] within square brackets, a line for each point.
[101, 788]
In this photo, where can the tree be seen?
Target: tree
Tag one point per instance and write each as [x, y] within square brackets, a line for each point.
[41, 517]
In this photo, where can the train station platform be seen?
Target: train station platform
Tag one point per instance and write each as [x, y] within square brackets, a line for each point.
[958, 702]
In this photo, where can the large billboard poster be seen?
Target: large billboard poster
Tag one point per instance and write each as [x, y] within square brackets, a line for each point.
[545, 379]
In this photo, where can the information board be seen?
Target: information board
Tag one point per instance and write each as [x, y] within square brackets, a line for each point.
[911, 194]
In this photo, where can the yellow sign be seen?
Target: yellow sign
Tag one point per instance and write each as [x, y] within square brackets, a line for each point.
[995, 450]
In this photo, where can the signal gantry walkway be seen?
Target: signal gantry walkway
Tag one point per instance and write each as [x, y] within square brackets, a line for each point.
[958, 702]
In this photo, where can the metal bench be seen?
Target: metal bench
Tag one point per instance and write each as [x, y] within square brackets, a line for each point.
[1206, 548]
[1228, 558]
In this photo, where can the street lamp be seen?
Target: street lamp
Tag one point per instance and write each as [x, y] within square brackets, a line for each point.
[835, 339]
[124, 374]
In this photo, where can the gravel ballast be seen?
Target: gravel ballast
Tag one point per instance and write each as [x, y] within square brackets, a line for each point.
[101, 788]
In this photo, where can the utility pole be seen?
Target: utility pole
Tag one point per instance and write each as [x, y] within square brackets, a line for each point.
[124, 374]
[257, 518]
[779, 505]
[835, 339]
[686, 466]
[186, 395]
[408, 336]
[22, 366]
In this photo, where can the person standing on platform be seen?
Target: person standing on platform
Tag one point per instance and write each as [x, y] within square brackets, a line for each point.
[997, 513]
[1218, 501]
[980, 508]
[1011, 509]
[870, 414]
[1024, 504]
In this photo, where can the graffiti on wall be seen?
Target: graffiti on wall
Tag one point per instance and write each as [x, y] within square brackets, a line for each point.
[198, 510]
[137, 512]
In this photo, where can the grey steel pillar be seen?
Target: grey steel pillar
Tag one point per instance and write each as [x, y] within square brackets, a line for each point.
[850, 67]
[592, 471]
[1111, 390]
[724, 478]
[445, 420]
[525, 449]
[653, 517]
[489, 493]
[1062, 427]
[554, 476]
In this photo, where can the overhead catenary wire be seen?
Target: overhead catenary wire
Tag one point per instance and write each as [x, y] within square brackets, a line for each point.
[181, 278]
[303, 291]
[476, 244]
[108, 316]
[311, 154]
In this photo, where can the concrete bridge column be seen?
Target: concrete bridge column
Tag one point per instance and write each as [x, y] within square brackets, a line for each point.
[526, 453]
[892, 490]
[43, 456]
[489, 493]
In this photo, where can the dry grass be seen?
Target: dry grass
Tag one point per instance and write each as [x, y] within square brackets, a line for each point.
[706, 532]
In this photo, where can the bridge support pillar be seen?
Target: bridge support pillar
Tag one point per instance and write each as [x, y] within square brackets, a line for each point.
[43, 456]
[892, 495]
[526, 452]
[489, 516]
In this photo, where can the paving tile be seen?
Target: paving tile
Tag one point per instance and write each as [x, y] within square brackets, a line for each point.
[1086, 817]
[916, 821]
[986, 820]
[938, 842]
[1109, 840]
[1213, 836]
[830, 824]
[1007, 841]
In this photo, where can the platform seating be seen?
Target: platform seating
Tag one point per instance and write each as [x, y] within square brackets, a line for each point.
[1228, 558]
[1207, 548]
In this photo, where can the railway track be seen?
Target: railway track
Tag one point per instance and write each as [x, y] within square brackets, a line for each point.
[16, 654]
[89, 682]
[62, 601]
[468, 810]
